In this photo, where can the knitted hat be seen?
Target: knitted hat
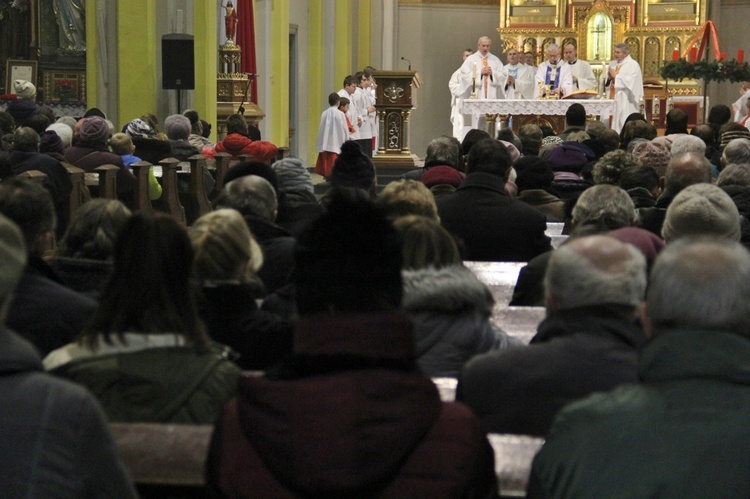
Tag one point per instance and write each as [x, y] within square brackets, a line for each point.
[12, 256]
[512, 150]
[646, 241]
[49, 142]
[552, 139]
[533, 173]
[653, 154]
[701, 210]
[729, 136]
[63, 131]
[177, 127]
[138, 128]
[567, 157]
[24, 89]
[293, 176]
[352, 168]
[67, 120]
[94, 129]
[262, 151]
[442, 175]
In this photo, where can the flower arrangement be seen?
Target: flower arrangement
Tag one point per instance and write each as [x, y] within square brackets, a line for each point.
[720, 71]
[65, 90]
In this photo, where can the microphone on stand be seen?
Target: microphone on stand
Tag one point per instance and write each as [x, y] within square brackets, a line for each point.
[407, 60]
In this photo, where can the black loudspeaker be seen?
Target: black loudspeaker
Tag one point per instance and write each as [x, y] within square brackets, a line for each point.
[177, 62]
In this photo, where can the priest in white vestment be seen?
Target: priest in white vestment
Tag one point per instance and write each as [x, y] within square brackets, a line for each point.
[554, 72]
[489, 74]
[739, 106]
[458, 119]
[520, 82]
[624, 85]
[583, 75]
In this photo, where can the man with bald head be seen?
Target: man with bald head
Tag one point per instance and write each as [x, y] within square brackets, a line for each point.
[554, 74]
[683, 170]
[580, 70]
[588, 342]
[682, 430]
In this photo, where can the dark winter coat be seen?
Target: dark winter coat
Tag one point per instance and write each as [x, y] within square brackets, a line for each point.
[89, 156]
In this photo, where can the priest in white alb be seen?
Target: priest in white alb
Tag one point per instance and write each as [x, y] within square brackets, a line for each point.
[461, 123]
[553, 74]
[580, 71]
[625, 85]
[520, 82]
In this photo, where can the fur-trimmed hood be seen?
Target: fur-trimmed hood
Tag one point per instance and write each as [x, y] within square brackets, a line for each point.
[450, 289]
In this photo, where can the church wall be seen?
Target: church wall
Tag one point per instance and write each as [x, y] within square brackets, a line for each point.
[434, 36]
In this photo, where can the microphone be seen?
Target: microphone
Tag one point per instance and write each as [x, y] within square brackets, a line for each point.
[407, 60]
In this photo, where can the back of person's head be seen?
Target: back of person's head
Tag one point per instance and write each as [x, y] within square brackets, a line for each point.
[734, 174]
[225, 249]
[93, 229]
[196, 126]
[737, 151]
[531, 137]
[578, 136]
[94, 111]
[177, 127]
[26, 139]
[38, 122]
[654, 154]
[442, 151]
[705, 133]
[121, 144]
[609, 139]
[7, 123]
[643, 176]
[686, 169]
[489, 156]
[677, 121]
[349, 260]
[643, 130]
[608, 169]
[595, 127]
[149, 291]
[700, 284]
[292, 176]
[701, 210]
[472, 137]
[236, 123]
[250, 195]
[688, 143]
[604, 205]
[30, 207]
[532, 172]
[352, 168]
[407, 197]
[575, 115]
[94, 130]
[507, 135]
[333, 99]
[138, 128]
[426, 243]
[245, 168]
[13, 258]
[50, 143]
[63, 131]
[732, 131]
[719, 114]
[595, 270]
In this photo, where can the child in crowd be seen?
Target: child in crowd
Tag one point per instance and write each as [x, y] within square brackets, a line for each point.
[333, 131]
[122, 144]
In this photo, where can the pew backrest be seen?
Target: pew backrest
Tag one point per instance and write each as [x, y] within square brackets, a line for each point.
[513, 457]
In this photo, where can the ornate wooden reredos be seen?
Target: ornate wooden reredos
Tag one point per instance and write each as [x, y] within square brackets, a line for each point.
[651, 28]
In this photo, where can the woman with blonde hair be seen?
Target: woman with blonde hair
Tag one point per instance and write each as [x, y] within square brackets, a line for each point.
[451, 309]
[227, 258]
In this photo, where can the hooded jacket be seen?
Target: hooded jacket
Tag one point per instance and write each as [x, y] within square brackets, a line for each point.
[348, 416]
[451, 311]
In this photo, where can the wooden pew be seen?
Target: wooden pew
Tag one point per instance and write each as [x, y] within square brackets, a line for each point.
[222, 165]
[558, 240]
[79, 194]
[107, 181]
[198, 195]
[554, 228]
[447, 388]
[164, 458]
[141, 198]
[521, 322]
[501, 277]
[169, 196]
[34, 176]
[513, 457]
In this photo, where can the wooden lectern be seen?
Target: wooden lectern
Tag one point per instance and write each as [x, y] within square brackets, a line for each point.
[396, 97]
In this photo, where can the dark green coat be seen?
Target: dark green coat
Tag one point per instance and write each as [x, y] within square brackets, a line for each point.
[684, 431]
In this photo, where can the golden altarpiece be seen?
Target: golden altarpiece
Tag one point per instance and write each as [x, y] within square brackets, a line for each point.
[653, 30]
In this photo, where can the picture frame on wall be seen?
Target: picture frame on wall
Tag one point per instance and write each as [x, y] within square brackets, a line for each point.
[19, 69]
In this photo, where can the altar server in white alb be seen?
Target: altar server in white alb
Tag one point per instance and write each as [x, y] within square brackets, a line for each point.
[625, 84]
[520, 82]
[490, 76]
[458, 119]
[554, 72]
[580, 71]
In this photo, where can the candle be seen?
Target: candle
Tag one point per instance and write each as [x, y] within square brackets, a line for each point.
[722, 56]
[474, 70]
[675, 54]
[693, 54]
[740, 56]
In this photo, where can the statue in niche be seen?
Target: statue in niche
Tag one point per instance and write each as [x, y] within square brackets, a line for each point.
[71, 19]
[230, 21]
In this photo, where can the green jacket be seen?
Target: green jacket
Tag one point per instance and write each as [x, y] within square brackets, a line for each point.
[684, 431]
[158, 385]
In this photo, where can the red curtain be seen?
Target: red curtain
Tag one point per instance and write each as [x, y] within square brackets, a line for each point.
[246, 40]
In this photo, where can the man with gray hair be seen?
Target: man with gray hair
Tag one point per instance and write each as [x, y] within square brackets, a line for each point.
[736, 152]
[255, 198]
[625, 83]
[679, 431]
[687, 143]
[587, 343]
[553, 74]
[441, 151]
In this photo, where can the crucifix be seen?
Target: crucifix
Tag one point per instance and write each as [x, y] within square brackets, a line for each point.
[597, 31]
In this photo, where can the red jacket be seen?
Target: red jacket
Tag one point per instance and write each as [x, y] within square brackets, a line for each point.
[327, 425]
[236, 145]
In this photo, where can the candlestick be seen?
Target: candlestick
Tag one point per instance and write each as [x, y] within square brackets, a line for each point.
[675, 54]
[655, 110]
[740, 56]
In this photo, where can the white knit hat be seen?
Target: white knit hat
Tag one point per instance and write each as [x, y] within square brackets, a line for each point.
[701, 210]
[24, 89]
